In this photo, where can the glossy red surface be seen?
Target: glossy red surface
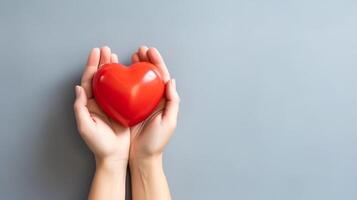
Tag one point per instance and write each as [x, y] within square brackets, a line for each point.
[128, 94]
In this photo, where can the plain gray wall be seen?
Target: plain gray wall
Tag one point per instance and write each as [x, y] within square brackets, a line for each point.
[268, 89]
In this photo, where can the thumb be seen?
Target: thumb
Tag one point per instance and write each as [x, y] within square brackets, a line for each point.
[83, 118]
[172, 104]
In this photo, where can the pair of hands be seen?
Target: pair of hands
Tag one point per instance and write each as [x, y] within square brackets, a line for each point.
[109, 140]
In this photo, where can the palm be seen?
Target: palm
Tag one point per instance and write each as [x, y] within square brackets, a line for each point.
[146, 137]
[110, 136]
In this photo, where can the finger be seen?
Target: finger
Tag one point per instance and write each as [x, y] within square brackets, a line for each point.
[114, 58]
[142, 54]
[172, 104]
[89, 71]
[135, 58]
[83, 118]
[156, 59]
[105, 54]
[93, 58]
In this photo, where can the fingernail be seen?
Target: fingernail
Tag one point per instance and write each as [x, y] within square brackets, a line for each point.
[173, 82]
[95, 49]
[78, 90]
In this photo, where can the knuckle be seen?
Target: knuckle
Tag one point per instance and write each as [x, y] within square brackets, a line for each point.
[76, 106]
[172, 124]
[177, 98]
[82, 129]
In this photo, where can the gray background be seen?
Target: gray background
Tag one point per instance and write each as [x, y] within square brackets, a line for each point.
[268, 89]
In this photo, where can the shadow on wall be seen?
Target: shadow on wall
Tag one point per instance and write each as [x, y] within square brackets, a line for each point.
[64, 165]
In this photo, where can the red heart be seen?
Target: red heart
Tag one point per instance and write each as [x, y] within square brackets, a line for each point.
[128, 94]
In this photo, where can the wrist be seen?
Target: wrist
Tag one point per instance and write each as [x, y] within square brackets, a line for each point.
[148, 178]
[109, 179]
[147, 162]
[111, 165]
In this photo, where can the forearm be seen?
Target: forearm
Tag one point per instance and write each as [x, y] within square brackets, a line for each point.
[109, 180]
[148, 179]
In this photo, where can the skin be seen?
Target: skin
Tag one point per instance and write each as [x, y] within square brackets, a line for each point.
[149, 138]
[115, 146]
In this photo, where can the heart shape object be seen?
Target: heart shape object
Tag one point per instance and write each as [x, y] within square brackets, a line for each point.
[128, 94]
